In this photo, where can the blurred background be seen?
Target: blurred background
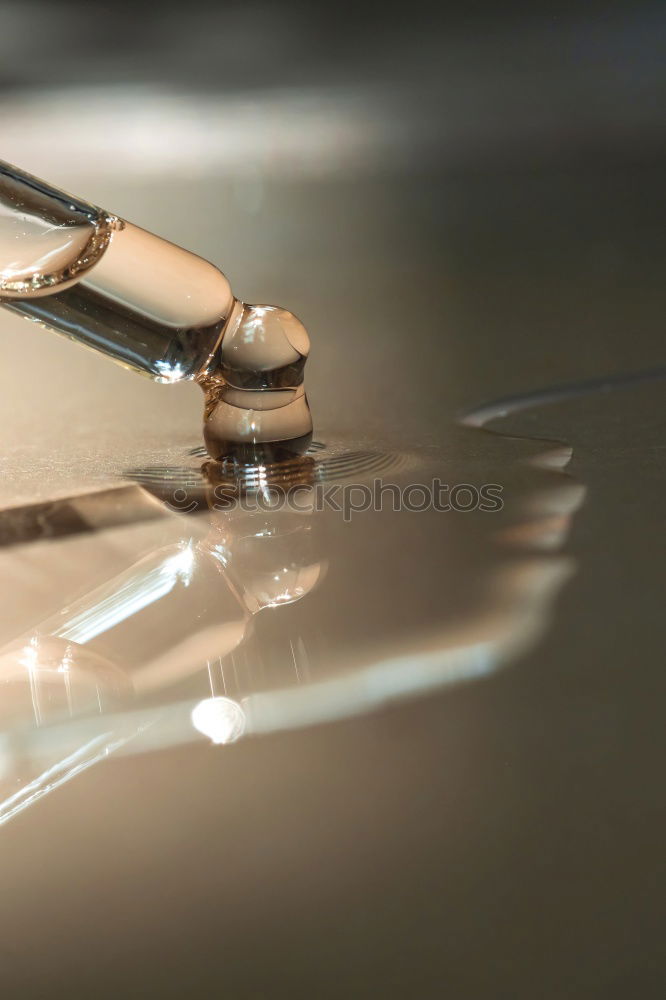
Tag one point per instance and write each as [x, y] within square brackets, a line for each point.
[462, 203]
[489, 172]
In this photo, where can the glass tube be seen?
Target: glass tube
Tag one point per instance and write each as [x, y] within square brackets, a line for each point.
[143, 301]
[158, 310]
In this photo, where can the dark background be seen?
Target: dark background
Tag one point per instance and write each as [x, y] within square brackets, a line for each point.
[528, 81]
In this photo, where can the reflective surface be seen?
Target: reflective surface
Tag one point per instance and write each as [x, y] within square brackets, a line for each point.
[454, 602]
[377, 826]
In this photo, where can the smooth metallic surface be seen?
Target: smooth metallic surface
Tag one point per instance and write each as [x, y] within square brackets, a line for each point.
[375, 827]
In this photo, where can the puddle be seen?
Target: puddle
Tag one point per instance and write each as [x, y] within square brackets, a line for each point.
[212, 601]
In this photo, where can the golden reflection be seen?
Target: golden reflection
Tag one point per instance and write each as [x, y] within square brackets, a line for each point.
[204, 636]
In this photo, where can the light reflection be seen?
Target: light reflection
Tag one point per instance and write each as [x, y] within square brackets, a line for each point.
[163, 621]
[183, 627]
[141, 589]
[46, 678]
[320, 132]
[219, 718]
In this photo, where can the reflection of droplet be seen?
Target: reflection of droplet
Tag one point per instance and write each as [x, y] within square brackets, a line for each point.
[221, 719]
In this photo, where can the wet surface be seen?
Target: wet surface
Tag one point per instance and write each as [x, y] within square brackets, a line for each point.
[520, 625]
[438, 733]
[266, 592]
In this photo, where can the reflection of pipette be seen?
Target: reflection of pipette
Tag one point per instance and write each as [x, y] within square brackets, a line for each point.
[248, 691]
[163, 619]
[158, 631]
